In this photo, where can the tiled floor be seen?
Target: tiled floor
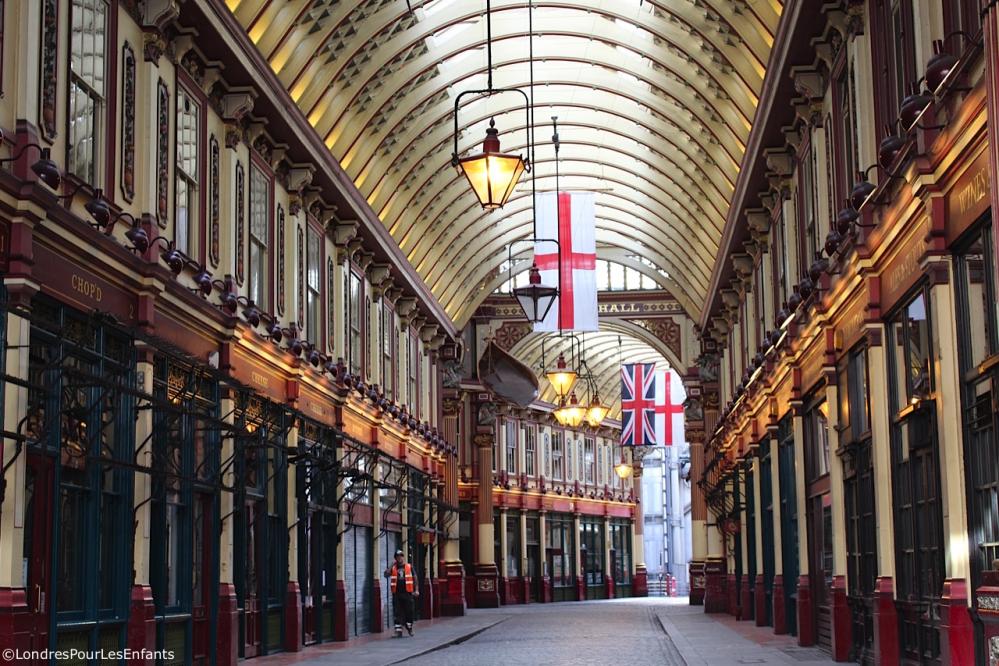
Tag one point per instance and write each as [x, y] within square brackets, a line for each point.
[626, 631]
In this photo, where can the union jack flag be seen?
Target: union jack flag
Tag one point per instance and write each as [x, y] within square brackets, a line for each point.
[638, 404]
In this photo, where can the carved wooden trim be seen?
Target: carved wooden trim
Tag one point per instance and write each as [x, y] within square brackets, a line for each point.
[240, 222]
[280, 260]
[49, 69]
[330, 310]
[301, 277]
[214, 155]
[127, 122]
[162, 153]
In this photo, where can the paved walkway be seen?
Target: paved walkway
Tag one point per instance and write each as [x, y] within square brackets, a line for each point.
[631, 631]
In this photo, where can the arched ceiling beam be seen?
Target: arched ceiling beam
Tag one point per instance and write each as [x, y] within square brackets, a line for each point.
[718, 51]
[454, 256]
[665, 189]
[715, 104]
[434, 235]
[385, 185]
[470, 290]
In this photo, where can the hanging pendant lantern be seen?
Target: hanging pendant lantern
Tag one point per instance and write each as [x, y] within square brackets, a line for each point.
[493, 175]
[562, 378]
[535, 299]
[596, 412]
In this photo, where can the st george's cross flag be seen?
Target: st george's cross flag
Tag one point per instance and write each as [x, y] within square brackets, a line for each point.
[570, 218]
[669, 407]
[638, 404]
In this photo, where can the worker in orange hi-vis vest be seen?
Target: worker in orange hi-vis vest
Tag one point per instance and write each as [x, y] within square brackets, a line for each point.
[402, 582]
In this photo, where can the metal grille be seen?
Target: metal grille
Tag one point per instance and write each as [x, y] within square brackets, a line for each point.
[861, 544]
[788, 522]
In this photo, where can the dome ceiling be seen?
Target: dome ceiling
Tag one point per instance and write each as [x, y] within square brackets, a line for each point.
[654, 100]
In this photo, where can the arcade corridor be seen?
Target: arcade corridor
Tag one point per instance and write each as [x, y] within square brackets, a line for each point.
[313, 311]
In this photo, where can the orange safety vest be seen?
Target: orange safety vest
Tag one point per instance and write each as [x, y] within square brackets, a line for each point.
[407, 572]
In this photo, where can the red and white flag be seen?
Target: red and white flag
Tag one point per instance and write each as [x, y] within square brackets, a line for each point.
[571, 218]
[670, 395]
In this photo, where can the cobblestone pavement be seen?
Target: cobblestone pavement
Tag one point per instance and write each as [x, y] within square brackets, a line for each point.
[626, 631]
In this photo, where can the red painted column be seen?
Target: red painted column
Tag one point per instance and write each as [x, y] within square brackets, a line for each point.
[453, 603]
[227, 630]
[886, 647]
[341, 630]
[293, 617]
[746, 601]
[780, 614]
[715, 595]
[957, 645]
[16, 621]
[141, 628]
[761, 602]
[609, 582]
[697, 582]
[806, 610]
[842, 621]
[732, 586]
[377, 607]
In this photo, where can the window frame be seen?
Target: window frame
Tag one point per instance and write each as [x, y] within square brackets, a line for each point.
[102, 136]
[558, 455]
[196, 221]
[530, 449]
[266, 289]
[314, 298]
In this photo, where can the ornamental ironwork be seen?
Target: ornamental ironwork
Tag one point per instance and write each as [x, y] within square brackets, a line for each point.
[49, 75]
[280, 260]
[240, 221]
[162, 153]
[128, 123]
[214, 222]
[301, 279]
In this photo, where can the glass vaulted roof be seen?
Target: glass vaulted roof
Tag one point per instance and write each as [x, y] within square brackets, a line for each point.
[654, 100]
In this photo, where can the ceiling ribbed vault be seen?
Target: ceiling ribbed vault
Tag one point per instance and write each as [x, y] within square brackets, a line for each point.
[654, 100]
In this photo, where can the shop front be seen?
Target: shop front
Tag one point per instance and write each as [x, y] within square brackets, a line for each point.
[561, 556]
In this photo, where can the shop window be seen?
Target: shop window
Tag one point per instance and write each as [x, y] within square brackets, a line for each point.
[558, 464]
[917, 507]
[512, 546]
[845, 107]
[911, 353]
[81, 443]
[388, 346]
[260, 238]
[979, 333]
[511, 448]
[413, 375]
[854, 404]
[590, 460]
[530, 449]
[187, 207]
[352, 320]
[964, 16]
[87, 83]
[817, 441]
[781, 265]
[591, 544]
[894, 56]
[313, 288]
[808, 207]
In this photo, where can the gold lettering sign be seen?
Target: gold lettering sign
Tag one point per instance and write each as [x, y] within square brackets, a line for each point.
[974, 192]
[86, 288]
[259, 378]
[969, 197]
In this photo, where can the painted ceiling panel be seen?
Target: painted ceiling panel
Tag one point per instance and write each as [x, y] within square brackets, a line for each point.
[654, 98]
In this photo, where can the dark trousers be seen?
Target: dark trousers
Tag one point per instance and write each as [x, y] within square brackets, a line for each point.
[404, 607]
